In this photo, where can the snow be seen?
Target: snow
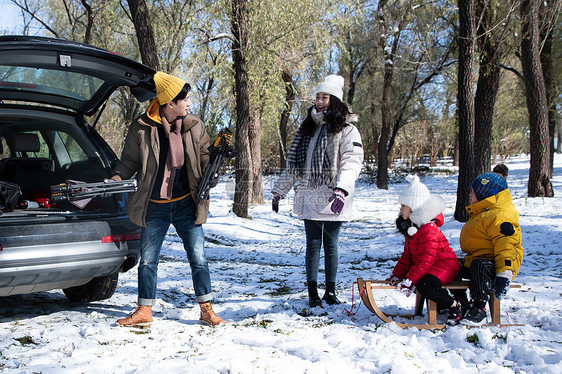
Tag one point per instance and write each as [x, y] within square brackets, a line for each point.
[257, 267]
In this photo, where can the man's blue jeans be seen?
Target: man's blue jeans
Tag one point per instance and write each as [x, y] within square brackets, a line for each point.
[316, 233]
[159, 216]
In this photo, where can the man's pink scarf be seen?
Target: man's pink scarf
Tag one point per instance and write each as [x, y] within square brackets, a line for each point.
[175, 158]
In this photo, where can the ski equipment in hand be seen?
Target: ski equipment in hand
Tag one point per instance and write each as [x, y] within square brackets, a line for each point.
[220, 151]
[76, 191]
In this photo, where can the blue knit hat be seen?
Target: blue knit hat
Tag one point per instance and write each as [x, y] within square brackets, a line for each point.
[488, 184]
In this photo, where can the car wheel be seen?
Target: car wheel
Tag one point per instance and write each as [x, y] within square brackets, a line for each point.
[96, 289]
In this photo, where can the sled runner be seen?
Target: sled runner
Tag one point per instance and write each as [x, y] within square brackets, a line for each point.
[366, 288]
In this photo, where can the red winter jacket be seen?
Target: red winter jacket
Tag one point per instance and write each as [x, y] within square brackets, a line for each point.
[428, 252]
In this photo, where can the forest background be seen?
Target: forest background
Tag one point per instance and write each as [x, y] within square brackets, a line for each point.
[475, 81]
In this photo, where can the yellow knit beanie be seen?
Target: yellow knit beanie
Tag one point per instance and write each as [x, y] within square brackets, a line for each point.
[167, 87]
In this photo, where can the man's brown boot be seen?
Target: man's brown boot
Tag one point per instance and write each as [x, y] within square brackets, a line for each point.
[208, 316]
[142, 316]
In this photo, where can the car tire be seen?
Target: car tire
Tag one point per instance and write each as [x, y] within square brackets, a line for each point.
[97, 289]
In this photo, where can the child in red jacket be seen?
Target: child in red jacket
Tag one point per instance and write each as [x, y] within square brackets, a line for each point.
[428, 262]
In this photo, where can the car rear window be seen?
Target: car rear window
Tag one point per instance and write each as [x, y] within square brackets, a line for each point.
[55, 82]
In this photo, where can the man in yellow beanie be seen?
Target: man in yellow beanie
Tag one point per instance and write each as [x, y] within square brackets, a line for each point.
[167, 150]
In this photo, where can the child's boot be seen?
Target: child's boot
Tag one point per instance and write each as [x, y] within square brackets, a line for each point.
[476, 316]
[456, 312]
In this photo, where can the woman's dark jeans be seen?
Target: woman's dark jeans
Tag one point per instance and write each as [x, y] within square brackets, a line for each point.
[316, 233]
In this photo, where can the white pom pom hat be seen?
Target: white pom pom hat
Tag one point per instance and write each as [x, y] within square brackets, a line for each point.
[333, 85]
[415, 195]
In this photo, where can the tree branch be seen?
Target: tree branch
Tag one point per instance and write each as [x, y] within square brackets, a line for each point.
[513, 70]
[26, 9]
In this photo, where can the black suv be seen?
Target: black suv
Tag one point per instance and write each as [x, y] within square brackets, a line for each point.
[47, 86]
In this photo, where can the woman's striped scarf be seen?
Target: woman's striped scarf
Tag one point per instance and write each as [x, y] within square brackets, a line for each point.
[323, 168]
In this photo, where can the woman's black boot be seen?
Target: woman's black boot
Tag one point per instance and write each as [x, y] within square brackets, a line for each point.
[330, 295]
[313, 298]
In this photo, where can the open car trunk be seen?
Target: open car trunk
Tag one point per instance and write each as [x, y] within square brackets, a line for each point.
[41, 149]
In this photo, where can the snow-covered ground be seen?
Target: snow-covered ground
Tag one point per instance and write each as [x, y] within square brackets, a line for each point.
[257, 267]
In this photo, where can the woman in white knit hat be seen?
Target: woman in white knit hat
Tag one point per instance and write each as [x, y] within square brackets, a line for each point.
[323, 162]
[428, 262]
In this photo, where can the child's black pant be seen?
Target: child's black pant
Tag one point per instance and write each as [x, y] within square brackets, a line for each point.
[481, 274]
[430, 287]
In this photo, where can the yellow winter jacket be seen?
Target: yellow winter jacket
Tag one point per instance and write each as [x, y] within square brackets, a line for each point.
[493, 233]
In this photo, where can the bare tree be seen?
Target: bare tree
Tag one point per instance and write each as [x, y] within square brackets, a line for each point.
[356, 59]
[465, 106]
[549, 14]
[400, 118]
[539, 181]
[487, 86]
[385, 101]
[89, 21]
[243, 163]
[74, 14]
[144, 32]
[396, 107]
[254, 131]
[546, 63]
[289, 102]
[31, 9]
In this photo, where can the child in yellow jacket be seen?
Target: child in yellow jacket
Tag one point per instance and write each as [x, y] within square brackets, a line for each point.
[491, 240]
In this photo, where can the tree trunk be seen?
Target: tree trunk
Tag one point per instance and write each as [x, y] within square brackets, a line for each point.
[351, 91]
[456, 151]
[145, 34]
[486, 90]
[289, 101]
[465, 102]
[386, 117]
[546, 63]
[536, 97]
[206, 92]
[372, 110]
[89, 23]
[389, 53]
[256, 183]
[239, 26]
[355, 72]
[130, 107]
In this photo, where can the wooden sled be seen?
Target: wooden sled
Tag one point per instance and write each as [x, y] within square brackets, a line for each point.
[366, 288]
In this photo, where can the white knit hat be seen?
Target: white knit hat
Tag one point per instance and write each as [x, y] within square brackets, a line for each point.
[333, 85]
[415, 195]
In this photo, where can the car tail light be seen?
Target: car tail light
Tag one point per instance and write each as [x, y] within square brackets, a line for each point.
[120, 238]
